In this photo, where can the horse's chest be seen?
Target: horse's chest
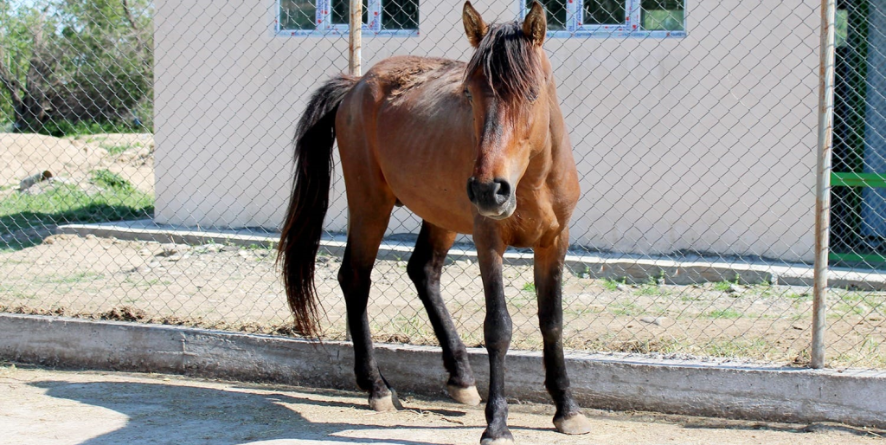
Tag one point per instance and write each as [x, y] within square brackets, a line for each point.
[532, 224]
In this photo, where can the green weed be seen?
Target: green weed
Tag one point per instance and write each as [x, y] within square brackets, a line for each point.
[111, 180]
[724, 313]
[116, 149]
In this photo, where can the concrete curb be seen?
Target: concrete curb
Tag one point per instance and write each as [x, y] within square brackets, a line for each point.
[607, 382]
[633, 268]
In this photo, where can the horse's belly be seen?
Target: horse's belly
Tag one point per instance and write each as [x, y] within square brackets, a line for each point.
[438, 203]
[426, 152]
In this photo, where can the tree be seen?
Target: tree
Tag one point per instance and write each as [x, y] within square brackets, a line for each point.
[24, 62]
[76, 60]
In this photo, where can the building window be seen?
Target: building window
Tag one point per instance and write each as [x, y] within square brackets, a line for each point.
[614, 18]
[324, 17]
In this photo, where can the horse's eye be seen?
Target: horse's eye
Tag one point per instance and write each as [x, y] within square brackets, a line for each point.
[467, 94]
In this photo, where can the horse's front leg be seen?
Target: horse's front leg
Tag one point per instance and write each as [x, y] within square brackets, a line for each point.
[425, 268]
[548, 284]
[496, 332]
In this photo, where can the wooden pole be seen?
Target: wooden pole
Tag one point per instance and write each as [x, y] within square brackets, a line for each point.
[355, 55]
[823, 181]
[355, 33]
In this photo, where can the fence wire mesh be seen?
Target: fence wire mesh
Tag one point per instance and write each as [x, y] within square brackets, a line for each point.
[144, 174]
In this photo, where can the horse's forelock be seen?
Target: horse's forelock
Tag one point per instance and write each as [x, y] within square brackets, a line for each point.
[509, 62]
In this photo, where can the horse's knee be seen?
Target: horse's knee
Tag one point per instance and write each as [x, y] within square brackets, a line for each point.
[418, 271]
[551, 331]
[497, 331]
[353, 279]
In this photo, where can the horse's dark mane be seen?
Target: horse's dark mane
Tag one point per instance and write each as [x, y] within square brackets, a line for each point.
[509, 62]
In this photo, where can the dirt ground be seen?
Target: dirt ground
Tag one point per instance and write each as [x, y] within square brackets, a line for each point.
[40, 406]
[237, 288]
[72, 158]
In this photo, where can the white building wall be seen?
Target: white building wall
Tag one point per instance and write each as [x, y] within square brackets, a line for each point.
[702, 143]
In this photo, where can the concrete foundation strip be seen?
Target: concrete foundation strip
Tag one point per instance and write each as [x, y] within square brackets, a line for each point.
[599, 381]
[688, 269]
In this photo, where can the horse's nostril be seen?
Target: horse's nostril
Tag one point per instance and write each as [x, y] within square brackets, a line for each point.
[503, 188]
[472, 196]
[492, 194]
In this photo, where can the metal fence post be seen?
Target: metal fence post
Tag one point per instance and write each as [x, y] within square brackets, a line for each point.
[823, 180]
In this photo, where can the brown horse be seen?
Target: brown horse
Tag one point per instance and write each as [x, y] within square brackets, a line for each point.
[478, 148]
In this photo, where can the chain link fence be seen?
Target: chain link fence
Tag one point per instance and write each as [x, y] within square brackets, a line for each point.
[693, 124]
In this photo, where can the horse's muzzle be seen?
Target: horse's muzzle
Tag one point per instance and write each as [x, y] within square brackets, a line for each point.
[494, 199]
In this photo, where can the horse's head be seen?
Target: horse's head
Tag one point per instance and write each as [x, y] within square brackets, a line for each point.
[509, 84]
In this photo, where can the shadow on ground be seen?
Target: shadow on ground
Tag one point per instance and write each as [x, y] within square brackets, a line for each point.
[169, 413]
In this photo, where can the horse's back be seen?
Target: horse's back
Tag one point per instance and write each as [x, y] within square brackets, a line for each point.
[407, 116]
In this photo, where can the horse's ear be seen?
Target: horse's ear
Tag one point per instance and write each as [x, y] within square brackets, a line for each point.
[535, 25]
[475, 28]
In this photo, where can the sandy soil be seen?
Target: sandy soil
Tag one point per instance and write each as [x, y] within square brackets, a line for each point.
[238, 288]
[73, 158]
[40, 406]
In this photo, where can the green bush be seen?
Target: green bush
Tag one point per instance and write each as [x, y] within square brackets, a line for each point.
[67, 128]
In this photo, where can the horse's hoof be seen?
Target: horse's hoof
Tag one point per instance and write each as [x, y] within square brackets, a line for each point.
[384, 404]
[467, 396]
[499, 441]
[573, 425]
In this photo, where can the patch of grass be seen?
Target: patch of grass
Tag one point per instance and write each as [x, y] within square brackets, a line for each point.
[529, 287]
[688, 298]
[109, 179]
[764, 290]
[722, 286]
[840, 309]
[270, 245]
[585, 272]
[874, 301]
[17, 295]
[67, 203]
[80, 277]
[143, 282]
[582, 311]
[651, 288]
[117, 149]
[611, 284]
[414, 327]
[724, 313]
[626, 309]
[757, 348]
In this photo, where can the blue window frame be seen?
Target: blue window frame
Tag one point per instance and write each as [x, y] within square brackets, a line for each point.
[613, 18]
[330, 17]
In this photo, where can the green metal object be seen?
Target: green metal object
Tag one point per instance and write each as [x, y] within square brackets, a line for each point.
[856, 257]
[875, 180]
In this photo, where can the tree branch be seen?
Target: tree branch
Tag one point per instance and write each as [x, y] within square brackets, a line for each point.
[8, 80]
[135, 28]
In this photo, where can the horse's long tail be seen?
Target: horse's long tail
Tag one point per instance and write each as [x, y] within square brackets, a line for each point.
[303, 227]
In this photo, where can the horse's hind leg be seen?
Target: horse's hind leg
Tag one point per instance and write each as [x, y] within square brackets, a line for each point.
[425, 267]
[548, 275]
[369, 212]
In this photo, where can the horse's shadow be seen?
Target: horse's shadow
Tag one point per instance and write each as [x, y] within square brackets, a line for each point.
[169, 413]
